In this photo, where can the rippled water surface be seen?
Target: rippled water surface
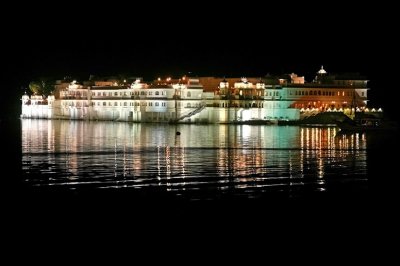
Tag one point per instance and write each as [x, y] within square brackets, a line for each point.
[204, 161]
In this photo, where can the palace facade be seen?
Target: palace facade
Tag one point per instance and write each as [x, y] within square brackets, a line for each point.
[201, 99]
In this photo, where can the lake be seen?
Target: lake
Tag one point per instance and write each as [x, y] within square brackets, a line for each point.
[201, 162]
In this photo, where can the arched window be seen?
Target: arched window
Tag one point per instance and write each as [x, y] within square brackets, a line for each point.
[189, 94]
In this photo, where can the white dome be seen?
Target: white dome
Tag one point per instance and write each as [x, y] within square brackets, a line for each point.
[322, 70]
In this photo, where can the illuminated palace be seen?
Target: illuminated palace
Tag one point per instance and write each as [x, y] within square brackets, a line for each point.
[201, 99]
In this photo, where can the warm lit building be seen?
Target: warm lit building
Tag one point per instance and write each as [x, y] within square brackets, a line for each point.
[328, 92]
[204, 99]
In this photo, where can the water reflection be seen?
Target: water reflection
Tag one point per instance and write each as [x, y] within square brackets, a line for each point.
[243, 159]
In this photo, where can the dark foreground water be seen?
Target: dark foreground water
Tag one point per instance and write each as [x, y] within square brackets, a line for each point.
[202, 162]
[151, 162]
[244, 180]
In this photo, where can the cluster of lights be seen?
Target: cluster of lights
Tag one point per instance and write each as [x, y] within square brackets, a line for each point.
[169, 79]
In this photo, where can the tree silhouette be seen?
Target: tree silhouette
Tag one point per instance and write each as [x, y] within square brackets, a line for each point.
[42, 86]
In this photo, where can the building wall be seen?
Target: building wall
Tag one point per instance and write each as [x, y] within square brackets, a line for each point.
[234, 100]
[81, 111]
[325, 98]
[36, 111]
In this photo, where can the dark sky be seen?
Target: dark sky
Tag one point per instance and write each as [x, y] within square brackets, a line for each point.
[205, 40]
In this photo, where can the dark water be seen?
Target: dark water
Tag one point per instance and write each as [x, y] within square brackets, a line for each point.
[75, 176]
[150, 162]
[203, 162]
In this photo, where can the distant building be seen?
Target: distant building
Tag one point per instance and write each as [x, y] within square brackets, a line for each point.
[203, 99]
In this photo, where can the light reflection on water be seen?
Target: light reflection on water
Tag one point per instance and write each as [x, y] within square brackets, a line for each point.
[243, 160]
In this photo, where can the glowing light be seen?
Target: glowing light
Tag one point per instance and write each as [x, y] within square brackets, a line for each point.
[322, 70]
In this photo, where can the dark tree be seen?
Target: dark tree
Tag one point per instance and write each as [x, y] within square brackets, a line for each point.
[42, 86]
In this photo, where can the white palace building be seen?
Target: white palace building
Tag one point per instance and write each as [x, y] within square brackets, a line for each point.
[201, 99]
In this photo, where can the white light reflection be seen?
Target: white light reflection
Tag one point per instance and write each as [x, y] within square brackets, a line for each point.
[223, 156]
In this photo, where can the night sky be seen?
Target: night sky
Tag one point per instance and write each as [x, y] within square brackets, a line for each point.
[202, 40]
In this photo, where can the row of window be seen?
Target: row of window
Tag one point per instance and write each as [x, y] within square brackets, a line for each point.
[73, 94]
[100, 103]
[322, 93]
[249, 105]
[155, 104]
[272, 93]
[128, 93]
[113, 104]
[130, 104]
